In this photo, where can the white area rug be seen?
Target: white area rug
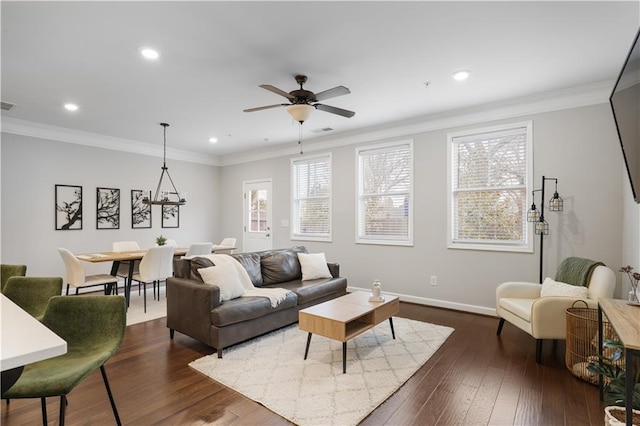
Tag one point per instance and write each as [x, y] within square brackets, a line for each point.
[271, 370]
[155, 308]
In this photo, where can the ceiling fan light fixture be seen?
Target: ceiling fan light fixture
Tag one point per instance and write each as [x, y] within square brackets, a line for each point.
[300, 112]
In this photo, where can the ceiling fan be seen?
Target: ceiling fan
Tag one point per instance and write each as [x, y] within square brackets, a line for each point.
[302, 101]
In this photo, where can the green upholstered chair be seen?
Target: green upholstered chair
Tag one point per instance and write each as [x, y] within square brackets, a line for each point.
[8, 271]
[33, 293]
[93, 327]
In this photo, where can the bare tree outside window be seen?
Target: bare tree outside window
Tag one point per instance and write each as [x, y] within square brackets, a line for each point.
[68, 207]
[311, 198]
[107, 208]
[489, 174]
[385, 187]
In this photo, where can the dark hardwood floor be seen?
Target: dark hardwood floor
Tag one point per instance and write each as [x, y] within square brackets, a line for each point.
[475, 378]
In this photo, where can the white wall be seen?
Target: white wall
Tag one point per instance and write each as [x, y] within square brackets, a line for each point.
[578, 146]
[30, 169]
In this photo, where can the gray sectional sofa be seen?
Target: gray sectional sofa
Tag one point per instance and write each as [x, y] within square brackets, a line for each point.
[194, 308]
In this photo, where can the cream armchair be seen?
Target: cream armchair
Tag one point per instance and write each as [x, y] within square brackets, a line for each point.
[520, 303]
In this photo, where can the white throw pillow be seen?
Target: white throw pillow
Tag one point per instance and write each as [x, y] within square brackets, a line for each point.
[556, 288]
[226, 279]
[314, 266]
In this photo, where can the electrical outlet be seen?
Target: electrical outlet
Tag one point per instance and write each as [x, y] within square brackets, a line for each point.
[434, 280]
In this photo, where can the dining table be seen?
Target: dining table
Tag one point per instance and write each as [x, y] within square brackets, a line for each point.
[131, 257]
[24, 340]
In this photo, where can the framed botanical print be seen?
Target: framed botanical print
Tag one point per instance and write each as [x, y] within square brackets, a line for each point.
[107, 208]
[170, 216]
[140, 212]
[68, 207]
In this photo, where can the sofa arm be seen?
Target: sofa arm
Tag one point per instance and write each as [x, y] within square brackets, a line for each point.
[549, 316]
[189, 305]
[334, 268]
[518, 289]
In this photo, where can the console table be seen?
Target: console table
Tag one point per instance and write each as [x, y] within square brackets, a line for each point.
[625, 320]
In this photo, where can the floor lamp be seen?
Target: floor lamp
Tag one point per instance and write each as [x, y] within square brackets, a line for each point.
[541, 226]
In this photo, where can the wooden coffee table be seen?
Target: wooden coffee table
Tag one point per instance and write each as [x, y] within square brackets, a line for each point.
[345, 317]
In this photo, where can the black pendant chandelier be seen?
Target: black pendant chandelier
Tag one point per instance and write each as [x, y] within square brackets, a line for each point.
[165, 198]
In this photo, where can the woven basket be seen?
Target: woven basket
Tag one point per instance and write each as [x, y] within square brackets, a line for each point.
[582, 341]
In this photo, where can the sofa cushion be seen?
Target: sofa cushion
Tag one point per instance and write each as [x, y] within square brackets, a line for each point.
[280, 266]
[308, 291]
[199, 263]
[182, 268]
[313, 266]
[251, 263]
[518, 307]
[248, 308]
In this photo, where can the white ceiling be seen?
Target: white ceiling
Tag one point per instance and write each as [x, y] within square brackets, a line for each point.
[215, 54]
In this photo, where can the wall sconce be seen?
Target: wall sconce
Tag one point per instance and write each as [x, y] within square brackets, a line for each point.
[541, 227]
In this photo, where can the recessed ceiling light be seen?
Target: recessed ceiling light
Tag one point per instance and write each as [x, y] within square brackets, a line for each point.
[213, 140]
[149, 53]
[71, 107]
[461, 75]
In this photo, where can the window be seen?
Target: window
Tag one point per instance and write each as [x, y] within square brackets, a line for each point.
[311, 206]
[385, 191]
[489, 172]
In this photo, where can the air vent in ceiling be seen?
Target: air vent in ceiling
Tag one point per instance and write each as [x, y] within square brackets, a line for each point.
[6, 106]
[324, 129]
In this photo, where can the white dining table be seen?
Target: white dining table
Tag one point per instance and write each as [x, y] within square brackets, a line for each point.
[24, 339]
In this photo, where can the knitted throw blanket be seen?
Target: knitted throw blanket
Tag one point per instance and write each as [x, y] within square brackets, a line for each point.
[576, 271]
[235, 271]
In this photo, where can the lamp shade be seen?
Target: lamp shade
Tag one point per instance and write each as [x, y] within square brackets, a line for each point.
[300, 112]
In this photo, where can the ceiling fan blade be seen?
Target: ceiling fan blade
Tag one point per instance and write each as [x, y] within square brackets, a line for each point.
[332, 93]
[264, 107]
[278, 91]
[335, 110]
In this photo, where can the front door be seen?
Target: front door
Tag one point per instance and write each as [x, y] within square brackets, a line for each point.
[257, 216]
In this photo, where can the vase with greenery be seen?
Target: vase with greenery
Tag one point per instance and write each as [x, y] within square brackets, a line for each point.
[614, 378]
[160, 241]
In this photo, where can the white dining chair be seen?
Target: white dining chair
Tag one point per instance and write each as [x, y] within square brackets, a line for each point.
[155, 266]
[199, 248]
[227, 242]
[125, 265]
[76, 275]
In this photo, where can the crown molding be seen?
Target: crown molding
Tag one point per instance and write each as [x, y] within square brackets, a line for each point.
[95, 140]
[575, 97]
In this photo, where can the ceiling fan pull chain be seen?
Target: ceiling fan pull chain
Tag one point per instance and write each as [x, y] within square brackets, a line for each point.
[300, 137]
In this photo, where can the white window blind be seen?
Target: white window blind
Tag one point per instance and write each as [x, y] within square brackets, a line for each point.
[489, 171]
[385, 187]
[311, 198]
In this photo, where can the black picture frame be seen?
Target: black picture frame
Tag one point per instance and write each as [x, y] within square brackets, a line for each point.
[140, 212]
[107, 208]
[171, 216]
[68, 207]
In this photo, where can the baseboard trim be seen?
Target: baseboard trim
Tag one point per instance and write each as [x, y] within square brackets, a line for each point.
[483, 310]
